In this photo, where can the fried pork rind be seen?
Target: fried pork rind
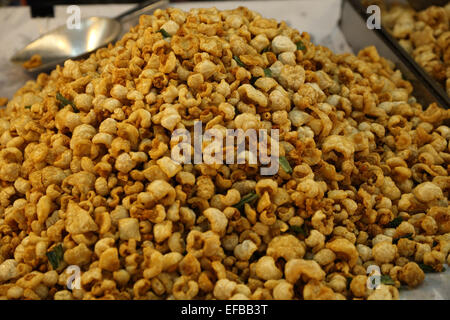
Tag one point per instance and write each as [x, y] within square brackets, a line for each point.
[87, 176]
[35, 61]
[426, 36]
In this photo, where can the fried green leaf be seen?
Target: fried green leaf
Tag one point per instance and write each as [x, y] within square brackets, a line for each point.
[56, 256]
[298, 229]
[395, 223]
[64, 102]
[426, 268]
[300, 45]
[239, 62]
[248, 198]
[268, 72]
[164, 33]
[285, 165]
[27, 107]
[408, 236]
[349, 281]
[387, 280]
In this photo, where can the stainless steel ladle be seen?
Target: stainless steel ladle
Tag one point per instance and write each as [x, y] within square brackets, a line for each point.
[63, 43]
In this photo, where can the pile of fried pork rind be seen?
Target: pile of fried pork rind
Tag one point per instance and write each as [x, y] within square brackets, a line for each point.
[425, 35]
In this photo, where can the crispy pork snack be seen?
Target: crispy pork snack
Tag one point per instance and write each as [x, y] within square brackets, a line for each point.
[425, 35]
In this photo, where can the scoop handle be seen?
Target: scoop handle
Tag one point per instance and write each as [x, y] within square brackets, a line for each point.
[142, 8]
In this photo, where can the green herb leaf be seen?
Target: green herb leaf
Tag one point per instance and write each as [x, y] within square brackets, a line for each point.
[56, 256]
[349, 280]
[266, 49]
[395, 223]
[248, 198]
[426, 268]
[408, 236]
[285, 165]
[300, 45]
[164, 33]
[299, 229]
[27, 107]
[63, 99]
[268, 72]
[64, 102]
[387, 280]
[239, 62]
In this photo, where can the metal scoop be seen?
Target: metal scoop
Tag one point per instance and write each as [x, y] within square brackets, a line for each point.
[63, 43]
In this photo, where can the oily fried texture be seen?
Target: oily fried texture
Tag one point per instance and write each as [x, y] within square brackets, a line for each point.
[35, 61]
[425, 35]
[87, 177]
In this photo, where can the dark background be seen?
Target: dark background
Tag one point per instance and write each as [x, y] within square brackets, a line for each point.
[44, 8]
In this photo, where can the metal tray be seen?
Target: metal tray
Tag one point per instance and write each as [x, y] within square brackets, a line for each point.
[353, 25]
